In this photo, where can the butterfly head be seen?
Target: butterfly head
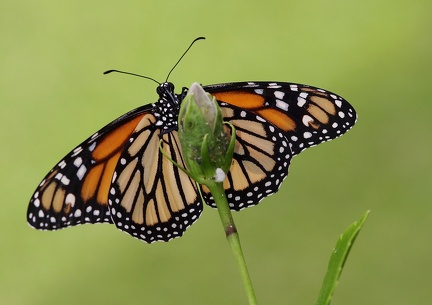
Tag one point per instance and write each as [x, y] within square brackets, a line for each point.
[165, 88]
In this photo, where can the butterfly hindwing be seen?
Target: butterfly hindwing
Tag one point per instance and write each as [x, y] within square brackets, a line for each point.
[260, 161]
[151, 198]
[75, 191]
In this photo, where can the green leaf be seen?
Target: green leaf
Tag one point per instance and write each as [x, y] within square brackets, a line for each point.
[338, 259]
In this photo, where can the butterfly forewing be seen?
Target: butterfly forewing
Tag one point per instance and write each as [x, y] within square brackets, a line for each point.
[151, 199]
[306, 115]
[75, 191]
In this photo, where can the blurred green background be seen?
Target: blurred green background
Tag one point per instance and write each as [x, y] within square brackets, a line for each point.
[375, 53]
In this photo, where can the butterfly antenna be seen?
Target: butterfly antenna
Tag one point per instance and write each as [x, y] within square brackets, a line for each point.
[196, 39]
[134, 74]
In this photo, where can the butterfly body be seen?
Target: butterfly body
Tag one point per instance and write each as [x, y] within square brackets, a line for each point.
[120, 176]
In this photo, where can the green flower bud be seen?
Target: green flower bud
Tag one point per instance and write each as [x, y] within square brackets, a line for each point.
[206, 146]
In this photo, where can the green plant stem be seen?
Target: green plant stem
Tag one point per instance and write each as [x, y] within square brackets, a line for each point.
[232, 236]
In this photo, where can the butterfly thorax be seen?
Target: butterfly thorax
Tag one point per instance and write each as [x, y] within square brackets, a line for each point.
[167, 107]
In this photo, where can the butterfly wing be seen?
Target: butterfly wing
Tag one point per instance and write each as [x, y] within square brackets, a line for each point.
[120, 176]
[151, 199]
[306, 115]
[274, 121]
[260, 161]
[76, 190]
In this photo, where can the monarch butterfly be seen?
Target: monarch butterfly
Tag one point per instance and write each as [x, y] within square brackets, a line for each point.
[119, 175]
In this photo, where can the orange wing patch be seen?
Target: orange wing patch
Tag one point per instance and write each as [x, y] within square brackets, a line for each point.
[241, 99]
[98, 180]
[115, 139]
[256, 103]
[278, 118]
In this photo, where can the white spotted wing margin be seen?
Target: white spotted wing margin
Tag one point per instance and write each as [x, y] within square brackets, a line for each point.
[151, 198]
[260, 162]
[75, 191]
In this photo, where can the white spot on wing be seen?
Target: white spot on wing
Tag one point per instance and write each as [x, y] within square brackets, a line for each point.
[282, 105]
[259, 91]
[81, 172]
[70, 199]
[260, 119]
[306, 120]
[279, 94]
[65, 180]
[301, 101]
[36, 203]
[77, 162]
[273, 86]
[92, 147]
[62, 164]
[76, 151]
